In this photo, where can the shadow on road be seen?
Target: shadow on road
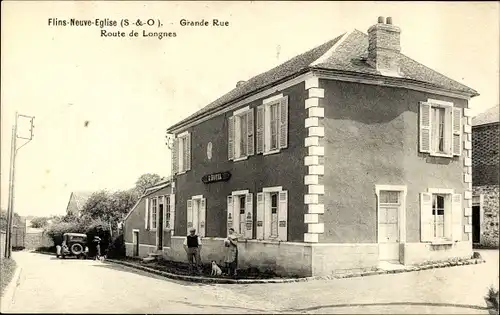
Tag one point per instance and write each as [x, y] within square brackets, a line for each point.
[147, 274]
[313, 308]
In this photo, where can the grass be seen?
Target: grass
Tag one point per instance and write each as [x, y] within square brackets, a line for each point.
[493, 297]
[8, 267]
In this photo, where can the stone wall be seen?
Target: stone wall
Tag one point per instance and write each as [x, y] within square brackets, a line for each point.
[489, 225]
[36, 240]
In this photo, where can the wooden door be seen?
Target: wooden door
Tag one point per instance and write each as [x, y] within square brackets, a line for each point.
[388, 226]
[135, 242]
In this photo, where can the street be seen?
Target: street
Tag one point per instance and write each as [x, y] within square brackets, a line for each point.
[52, 285]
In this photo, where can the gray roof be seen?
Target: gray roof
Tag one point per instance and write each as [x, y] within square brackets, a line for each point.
[81, 198]
[487, 117]
[349, 57]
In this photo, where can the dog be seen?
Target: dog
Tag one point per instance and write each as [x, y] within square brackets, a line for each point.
[216, 271]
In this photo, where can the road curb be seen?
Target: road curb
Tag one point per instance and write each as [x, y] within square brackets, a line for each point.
[10, 290]
[289, 280]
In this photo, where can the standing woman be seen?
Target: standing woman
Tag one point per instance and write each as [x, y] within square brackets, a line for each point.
[231, 259]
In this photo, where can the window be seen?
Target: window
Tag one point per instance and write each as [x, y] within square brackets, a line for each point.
[272, 125]
[273, 109]
[154, 213]
[196, 214]
[438, 215]
[181, 153]
[240, 213]
[441, 216]
[389, 197]
[272, 214]
[241, 134]
[440, 129]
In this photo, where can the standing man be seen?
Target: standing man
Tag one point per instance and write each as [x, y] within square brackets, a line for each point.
[192, 246]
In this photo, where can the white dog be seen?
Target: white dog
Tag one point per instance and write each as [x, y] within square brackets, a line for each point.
[216, 271]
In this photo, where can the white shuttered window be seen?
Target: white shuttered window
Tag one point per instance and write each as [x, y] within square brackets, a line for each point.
[182, 153]
[272, 126]
[241, 140]
[272, 215]
[440, 129]
[440, 217]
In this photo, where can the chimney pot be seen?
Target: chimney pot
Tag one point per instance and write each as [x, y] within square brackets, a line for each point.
[384, 46]
[388, 20]
[381, 19]
[240, 83]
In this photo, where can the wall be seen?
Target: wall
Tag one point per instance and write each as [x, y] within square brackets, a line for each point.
[489, 226]
[36, 240]
[136, 221]
[485, 154]
[372, 138]
[284, 258]
[283, 169]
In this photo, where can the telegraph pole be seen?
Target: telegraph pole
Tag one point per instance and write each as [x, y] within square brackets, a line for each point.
[12, 174]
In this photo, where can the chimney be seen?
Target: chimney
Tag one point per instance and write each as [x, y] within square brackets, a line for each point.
[384, 47]
[240, 83]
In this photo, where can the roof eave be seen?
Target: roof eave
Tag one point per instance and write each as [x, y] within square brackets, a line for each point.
[468, 94]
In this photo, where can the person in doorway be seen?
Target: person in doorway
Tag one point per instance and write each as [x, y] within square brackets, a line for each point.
[192, 246]
[231, 257]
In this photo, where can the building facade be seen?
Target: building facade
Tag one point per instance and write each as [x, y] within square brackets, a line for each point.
[344, 157]
[77, 201]
[148, 226]
[485, 177]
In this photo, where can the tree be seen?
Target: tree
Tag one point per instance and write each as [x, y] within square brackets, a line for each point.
[145, 181]
[39, 222]
[16, 220]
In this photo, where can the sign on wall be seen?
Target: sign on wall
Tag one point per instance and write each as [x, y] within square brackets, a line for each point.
[216, 177]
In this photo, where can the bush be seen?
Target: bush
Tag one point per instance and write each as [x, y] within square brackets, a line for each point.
[117, 247]
[8, 266]
[493, 298]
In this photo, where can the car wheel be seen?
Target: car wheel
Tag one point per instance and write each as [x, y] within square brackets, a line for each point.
[76, 249]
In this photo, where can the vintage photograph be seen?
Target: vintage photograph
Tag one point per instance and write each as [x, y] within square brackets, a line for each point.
[187, 157]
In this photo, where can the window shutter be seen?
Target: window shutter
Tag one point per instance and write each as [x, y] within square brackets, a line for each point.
[236, 214]
[250, 133]
[456, 215]
[249, 216]
[283, 216]
[267, 216]
[202, 217]
[457, 131]
[230, 141]
[187, 152]
[260, 129]
[230, 213]
[426, 218]
[260, 216]
[175, 156]
[146, 214]
[284, 122]
[172, 211]
[189, 214]
[425, 127]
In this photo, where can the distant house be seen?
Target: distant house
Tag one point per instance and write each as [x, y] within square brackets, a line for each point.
[77, 201]
[147, 227]
[485, 177]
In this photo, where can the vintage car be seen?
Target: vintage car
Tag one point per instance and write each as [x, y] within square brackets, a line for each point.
[74, 244]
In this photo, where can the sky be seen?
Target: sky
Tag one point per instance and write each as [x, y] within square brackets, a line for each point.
[130, 90]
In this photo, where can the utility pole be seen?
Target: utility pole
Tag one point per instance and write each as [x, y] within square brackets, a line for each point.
[12, 174]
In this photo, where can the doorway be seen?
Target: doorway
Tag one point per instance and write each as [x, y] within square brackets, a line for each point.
[388, 225]
[476, 224]
[135, 242]
[159, 230]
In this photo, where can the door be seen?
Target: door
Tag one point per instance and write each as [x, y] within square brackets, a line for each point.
[476, 224]
[135, 242]
[159, 229]
[388, 226]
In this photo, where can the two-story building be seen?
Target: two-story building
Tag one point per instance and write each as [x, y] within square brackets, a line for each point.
[346, 156]
[485, 177]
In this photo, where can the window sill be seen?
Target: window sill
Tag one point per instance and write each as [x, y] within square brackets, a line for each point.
[441, 242]
[180, 173]
[441, 155]
[240, 159]
[271, 152]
